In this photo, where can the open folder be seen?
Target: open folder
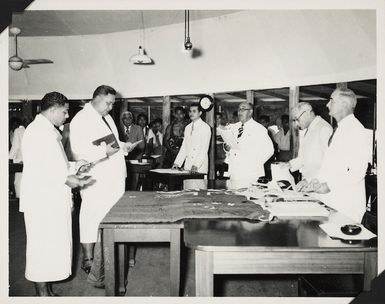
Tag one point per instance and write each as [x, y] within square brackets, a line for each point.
[110, 138]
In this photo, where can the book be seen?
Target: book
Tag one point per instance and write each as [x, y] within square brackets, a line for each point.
[110, 138]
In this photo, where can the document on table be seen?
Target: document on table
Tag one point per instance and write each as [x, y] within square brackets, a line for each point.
[170, 171]
[334, 230]
[297, 209]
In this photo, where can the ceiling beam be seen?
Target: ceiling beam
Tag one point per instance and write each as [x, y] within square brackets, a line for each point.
[314, 93]
[240, 95]
[357, 91]
[273, 94]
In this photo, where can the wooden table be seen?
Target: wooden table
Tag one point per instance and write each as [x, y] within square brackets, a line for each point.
[174, 181]
[288, 246]
[115, 230]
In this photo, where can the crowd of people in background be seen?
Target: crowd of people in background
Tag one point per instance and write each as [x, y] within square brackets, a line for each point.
[57, 155]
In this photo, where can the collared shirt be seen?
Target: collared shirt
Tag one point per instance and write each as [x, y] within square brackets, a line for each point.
[312, 147]
[195, 146]
[282, 140]
[127, 129]
[344, 167]
[152, 135]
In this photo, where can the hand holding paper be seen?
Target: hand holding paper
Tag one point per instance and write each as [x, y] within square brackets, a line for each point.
[128, 146]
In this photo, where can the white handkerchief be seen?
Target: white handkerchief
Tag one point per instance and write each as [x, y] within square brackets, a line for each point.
[334, 231]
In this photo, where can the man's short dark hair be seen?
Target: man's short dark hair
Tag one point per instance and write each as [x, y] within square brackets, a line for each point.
[53, 99]
[179, 108]
[156, 120]
[195, 104]
[285, 118]
[103, 90]
[142, 115]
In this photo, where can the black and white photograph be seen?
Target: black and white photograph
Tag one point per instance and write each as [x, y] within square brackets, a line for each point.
[192, 150]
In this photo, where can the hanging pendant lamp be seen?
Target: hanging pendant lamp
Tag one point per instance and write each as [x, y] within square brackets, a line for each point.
[187, 43]
[141, 57]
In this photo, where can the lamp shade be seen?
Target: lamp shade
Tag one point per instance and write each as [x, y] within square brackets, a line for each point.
[15, 63]
[140, 58]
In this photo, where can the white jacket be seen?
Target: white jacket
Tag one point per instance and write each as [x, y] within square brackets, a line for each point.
[247, 157]
[110, 173]
[312, 148]
[15, 152]
[195, 147]
[46, 202]
[344, 168]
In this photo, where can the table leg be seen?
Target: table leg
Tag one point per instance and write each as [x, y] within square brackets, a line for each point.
[370, 269]
[175, 235]
[204, 276]
[171, 184]
[131, 255]
[122, 267]
[109, 261]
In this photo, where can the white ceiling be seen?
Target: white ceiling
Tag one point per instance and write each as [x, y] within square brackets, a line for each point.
[67, 23]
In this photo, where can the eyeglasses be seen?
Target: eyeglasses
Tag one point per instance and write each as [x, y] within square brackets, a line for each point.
[297, 119]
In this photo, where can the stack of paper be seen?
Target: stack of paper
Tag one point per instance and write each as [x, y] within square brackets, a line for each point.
[297, 209]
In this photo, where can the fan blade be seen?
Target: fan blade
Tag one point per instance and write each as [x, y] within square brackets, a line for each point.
[37, 61]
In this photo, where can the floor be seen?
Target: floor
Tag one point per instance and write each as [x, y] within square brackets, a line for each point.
[149, 276]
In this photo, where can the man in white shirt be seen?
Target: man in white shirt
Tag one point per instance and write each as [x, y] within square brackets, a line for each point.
[282, 138]
[155, 137]
[16, 155]
[251, 147]
[109, 169]
[313, 144]
[45, 196]
[341, 180]
[194, 150]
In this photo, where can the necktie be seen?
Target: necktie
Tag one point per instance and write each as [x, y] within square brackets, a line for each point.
[192, 129]
[105, 121]
[157, 140]
[331, 136]
[128, 131]
[240, 131]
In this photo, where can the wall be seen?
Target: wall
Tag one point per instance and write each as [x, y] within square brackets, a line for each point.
[245, 50]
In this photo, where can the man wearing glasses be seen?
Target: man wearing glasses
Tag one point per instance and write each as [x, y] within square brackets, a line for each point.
[250, 148]
[313, 143]
[341, 180]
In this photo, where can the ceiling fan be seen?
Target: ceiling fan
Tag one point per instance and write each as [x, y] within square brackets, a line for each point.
[17, 63]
